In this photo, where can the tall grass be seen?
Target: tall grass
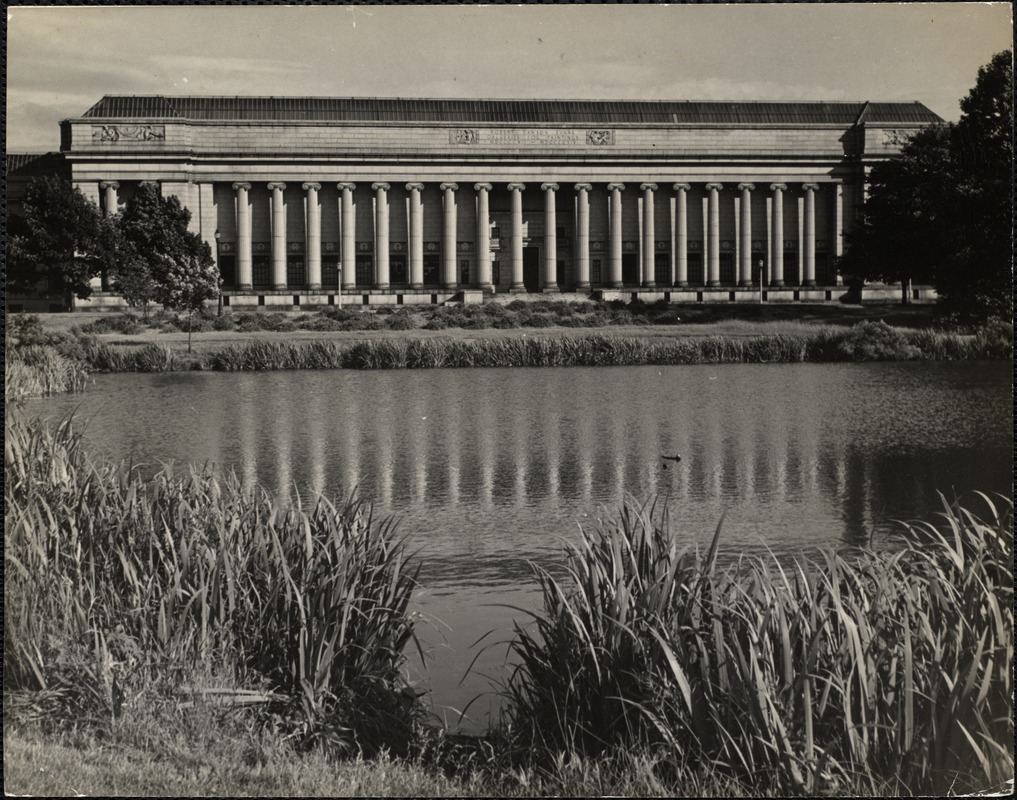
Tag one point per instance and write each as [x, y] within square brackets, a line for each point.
[40, 371]
[865, 674]
[115, 584]
[868, 341]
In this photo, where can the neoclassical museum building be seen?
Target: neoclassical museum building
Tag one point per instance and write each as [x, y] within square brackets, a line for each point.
[408, 201]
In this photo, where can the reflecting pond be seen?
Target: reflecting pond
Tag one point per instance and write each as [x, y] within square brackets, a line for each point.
[489, 470]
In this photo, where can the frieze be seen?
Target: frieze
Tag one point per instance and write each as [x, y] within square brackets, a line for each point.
[529, 137]
[897, 137]
[130, 133]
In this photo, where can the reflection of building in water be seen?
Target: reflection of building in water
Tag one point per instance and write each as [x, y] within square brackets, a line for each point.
[403, 201]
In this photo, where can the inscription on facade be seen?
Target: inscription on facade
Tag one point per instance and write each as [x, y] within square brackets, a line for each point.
[132, 133]
[529, 137]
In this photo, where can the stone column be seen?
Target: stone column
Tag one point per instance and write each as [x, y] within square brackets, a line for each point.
[483, 237]
[649, 248]
[745, 231]
[838, 229]
[109, 189]
[448, 244]
[349, 236]
[777, 240]
[416, 235]
[682, 236]
[313, 236]
[380, 234]
[244, 261]
[714, 233]
[583, 236]
[517, 237]
[550, 284]
[278, 236]
[616, 234]
[810, 233]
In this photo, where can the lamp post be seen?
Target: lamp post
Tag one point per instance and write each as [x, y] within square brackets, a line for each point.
[339, 283]
[218, 266]
[760, 263]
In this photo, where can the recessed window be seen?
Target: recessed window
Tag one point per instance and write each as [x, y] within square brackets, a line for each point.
[365, 271]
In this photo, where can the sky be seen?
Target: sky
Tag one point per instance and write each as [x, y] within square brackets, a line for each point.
[61, 60]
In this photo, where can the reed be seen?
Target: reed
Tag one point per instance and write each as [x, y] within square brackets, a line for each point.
[866, 674]
[115, 584]
[40, 371]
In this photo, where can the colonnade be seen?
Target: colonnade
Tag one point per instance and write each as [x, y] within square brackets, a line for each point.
[678, 273]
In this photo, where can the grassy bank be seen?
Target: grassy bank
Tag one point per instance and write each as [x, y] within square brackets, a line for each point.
[867, 341]
[228, 636]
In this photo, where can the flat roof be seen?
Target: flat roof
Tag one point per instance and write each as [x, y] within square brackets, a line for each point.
[590, 112]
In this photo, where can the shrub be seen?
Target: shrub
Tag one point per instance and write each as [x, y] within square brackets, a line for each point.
[126, 323]
[875, 341]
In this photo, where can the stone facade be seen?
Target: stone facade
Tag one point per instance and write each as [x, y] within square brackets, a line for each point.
[418, 201]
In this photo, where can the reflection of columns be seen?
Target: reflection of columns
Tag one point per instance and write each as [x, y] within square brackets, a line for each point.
[583, 236]
[416, 235]
[243, 236]
[313, 236]
[713, 247]
[745, 246]
[682, 236]
[483, 238]
[517, 237]
[550, 238]
[278, 236]
[810, 233]
[380, 234]
[649, 250]
[616, 233]
[349, 236]
[777, 240]
[448, 245]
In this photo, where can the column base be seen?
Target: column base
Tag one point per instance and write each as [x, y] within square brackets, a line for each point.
[314, 287]
[381, 286]
[486, 288]
[279, 287]
[518, 288]
[583, 287]
[617, 285]
[776, 283]
[649, 285]
[808, 283]
[550, 288]
[681, 285]
[244, 287]
[714, 285]
[746, 284]
[416, 286]
[348, 287]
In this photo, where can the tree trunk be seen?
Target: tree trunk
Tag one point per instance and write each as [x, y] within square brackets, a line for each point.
[189, 315]
[905, 291]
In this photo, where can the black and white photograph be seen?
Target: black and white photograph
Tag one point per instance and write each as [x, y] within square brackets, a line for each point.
[533, 400]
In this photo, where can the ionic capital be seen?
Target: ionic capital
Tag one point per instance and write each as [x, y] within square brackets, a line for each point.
[616, 187]
[380, 187]
[584, 187]
[647, 187]
[414, 187]
[750, 187]
[276, 185]
[682, 187]
[109, 185]
[482, 187]
[778, 187]
[714, 187]
[241, 187]
[311, 187]
[445, 187]
[344, 187]
[516, 187]
[549, 187]
[810, 187]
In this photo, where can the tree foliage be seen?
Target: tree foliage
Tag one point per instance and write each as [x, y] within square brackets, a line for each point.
[940, 212]
[61, 239]
[160, 259]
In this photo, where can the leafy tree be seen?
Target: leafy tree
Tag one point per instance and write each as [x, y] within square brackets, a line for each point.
[61, 239]
[161, 260]
[941, 211]
[903, 236]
